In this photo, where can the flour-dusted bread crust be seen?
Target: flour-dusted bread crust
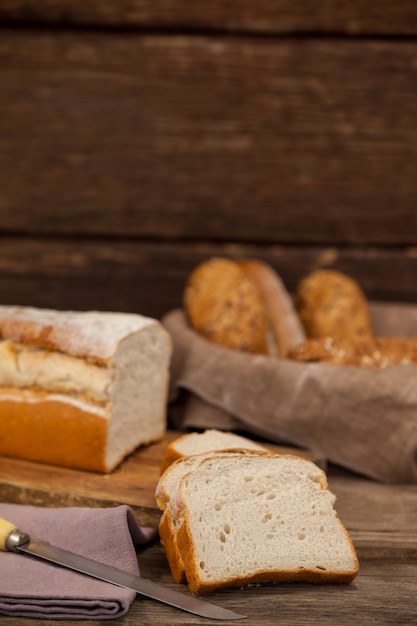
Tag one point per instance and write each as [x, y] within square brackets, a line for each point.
[207, 441]
[92, 335]
[81, 389]
[259, 518]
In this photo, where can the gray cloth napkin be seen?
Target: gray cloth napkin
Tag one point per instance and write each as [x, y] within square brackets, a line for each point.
[33, 588]
[362, 419]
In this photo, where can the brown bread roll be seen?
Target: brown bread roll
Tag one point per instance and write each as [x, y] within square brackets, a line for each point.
[332, 304]
[379, 352]
[225, 306]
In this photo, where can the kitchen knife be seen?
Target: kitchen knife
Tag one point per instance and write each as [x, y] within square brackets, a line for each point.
[14, 540]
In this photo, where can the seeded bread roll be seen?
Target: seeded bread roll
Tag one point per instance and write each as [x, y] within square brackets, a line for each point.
[331, 304]
[80, 389]
[380, 352]
[258, 518]
[225, 306]
[325, 350]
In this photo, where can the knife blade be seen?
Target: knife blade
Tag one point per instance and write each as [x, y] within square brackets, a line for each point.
[14, 540]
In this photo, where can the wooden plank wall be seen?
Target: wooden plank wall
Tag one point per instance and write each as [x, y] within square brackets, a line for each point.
[139, 137]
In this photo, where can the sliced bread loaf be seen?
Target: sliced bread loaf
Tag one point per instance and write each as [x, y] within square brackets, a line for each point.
[242, 519]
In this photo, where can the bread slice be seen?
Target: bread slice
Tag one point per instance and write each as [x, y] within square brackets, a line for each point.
[208, 441]
[259, 518]
[81, 389]
[171, 477]
[167, 485]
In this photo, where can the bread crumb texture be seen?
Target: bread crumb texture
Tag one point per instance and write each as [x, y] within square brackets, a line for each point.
[261, 518]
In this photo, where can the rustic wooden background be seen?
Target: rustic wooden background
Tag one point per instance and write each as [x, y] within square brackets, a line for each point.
[139, 137]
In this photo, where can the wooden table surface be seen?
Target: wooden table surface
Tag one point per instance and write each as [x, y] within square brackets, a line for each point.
[382, 520]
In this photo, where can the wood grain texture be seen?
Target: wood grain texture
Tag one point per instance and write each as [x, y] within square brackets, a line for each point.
[191, 137]
[149, 277]
[384, 594]
[132, 483]
[352, 17]
[381, 520]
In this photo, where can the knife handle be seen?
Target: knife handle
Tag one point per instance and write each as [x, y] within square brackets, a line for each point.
[10, 536]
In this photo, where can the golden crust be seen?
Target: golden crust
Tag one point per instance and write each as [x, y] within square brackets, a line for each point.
[287, 329]
[34, 426]
[331, 304]
[172, 453]
[224, 305]
[379, 352]
[168, 537]
[91, 335]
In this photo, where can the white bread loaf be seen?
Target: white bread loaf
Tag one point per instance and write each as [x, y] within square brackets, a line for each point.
[208, 441]
[243, 519]
[81, 389]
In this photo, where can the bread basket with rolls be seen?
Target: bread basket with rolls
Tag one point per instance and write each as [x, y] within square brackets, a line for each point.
[322, 368]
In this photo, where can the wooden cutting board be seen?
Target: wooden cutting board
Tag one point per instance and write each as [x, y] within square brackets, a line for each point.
[133, 483]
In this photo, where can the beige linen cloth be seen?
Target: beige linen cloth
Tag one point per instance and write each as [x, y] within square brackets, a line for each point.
[362, 419]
